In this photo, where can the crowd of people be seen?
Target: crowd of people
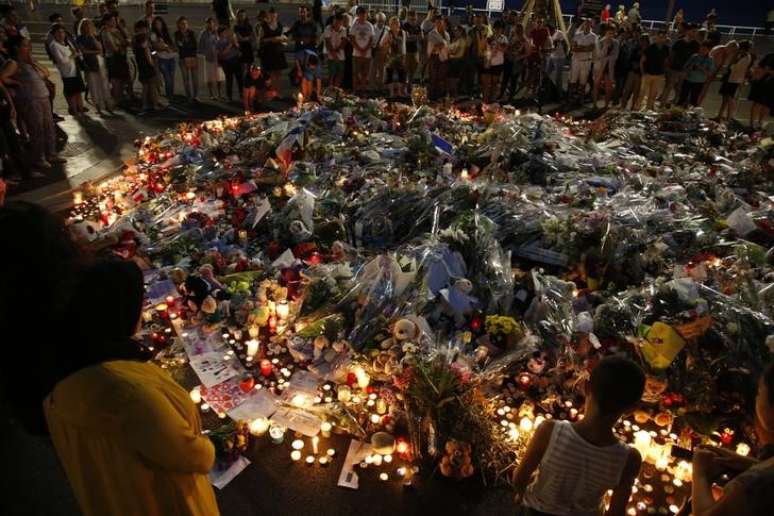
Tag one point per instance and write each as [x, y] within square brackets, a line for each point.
[606, 59]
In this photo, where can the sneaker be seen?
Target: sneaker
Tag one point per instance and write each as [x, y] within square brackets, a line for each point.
[56, 159]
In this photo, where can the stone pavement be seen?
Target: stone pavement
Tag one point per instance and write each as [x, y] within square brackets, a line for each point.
[97, 147]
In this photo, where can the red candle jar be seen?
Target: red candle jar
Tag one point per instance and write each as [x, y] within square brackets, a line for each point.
[266, 367]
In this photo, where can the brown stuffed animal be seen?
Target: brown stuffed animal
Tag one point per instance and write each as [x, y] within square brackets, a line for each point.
[457, 462]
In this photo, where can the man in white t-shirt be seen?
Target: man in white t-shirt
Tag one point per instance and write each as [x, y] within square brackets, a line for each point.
[335, 37]
[583, 45]
[361, 34]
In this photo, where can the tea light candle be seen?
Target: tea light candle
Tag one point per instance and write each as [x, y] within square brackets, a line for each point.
[77, 197]
[642, 440]
[331, 452]
[525, 425]
[381, 406]
[205, 407]
[277, 434]
[325, 429]
[259, 426]
[298, 444]
[196, 394]
[253, 331]
[384, 477]
[252, 347]
[315, 443]
[743, 449]
[362, 378]
[309, 460]
[323, 461]
[377, 459]
[344, 393]
[388, 458]
[375, 419]
[295, 455]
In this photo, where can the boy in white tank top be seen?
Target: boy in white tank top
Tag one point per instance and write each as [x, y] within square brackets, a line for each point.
[577, 463]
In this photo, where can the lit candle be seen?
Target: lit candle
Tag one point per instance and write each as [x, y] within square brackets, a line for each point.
[277, 434]
[309, 460]
[377, 459]
[196, 394]
[266, 367]
[464, 174]
[642, 442]
[252, 347]
[376, 419]
[253, 331]
[259, 426]
[297, 444]
[315, 442]
[388, 458]
[381, 406]
[325, 429]
[743, 449]
[344, 393]
[295, 455]
[525, 425]
[323, 461]
[331, 452]
[205, 407]
[362, 378]
[384, 477]
[77, 197]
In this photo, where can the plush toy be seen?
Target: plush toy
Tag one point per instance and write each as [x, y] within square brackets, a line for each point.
[457, 301]
[403, 332]
[457, 462]
[321, 342]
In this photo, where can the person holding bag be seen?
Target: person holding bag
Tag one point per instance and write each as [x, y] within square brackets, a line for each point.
[66, 59]
[185, 40]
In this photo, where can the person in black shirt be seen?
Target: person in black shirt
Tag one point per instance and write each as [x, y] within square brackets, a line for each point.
[222, 10]
[653, 67]
[631, 88]
[304, 31]
[257, 88]
[713, 34]
[185, 41]
[682, 50]
[762, 91]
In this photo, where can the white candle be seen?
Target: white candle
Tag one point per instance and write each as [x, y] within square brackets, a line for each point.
[295, 455]
[283, 309]
[642, 441]
[315, 442]
[196, 394]
[362, 378]
[277, 434]
[259, 426]
[331, 452]
[325, 429]
[525, 425]
[384, 477]
[252, 347]
[297, 444]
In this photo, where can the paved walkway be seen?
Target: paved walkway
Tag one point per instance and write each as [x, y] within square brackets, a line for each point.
[97, 146]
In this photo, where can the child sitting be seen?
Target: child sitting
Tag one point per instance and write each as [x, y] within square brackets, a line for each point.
[257, 88]
[577, 463]
[311, 81]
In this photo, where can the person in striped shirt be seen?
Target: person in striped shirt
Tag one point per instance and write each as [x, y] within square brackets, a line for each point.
[577, 463]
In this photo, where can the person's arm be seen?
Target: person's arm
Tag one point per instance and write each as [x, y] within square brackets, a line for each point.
[733, 501]
[623, 490]
[58, 54]
[643, 59]
[162, 437]
[536, 448]
[9, 70]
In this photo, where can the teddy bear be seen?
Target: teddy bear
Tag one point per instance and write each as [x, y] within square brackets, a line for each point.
[457, 461]
[404, 333]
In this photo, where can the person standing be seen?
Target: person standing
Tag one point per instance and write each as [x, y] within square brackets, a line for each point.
[458, 49]
[620, 15]
[128, 436]
[185, 41]
[222, 10]
[272, 50]
[713, 34]
[228, 58]
[633, 17]
[335, 37]
[681, 52]
[379, 60]
[208, 47]
[361, 35]
[146, 67]
[93, 64]
[65, 57]
[413, 40]
[604, 16]
[762, 91]
[733, 78]
[677, 22]
[245, 35]
[394, 43]
[604, 66]
[697, 70]
[558, 56]
[304, 32]
[115, 44]
[28, 78]
[631, 88]
[437, 57]
[653, 67]
[164, 48]
[583, 44]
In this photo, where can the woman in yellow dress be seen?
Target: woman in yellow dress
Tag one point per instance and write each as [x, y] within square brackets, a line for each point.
[128, 436]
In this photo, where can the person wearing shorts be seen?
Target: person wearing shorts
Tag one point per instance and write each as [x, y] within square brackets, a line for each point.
[335, 38]
[735, 75]
[583, 44]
